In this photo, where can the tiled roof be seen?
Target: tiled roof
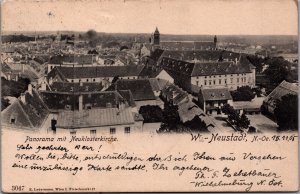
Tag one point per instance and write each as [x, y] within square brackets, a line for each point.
[205, 55]
[31, 114]
[76, 87]
[128, 96]
[101, 71]
[219, 68]
[141, 89]
[173, 66]
[215, 94]
[281, 90]
[173, 92]
[56, 101]
[80, 59]
[154, 84]
[95, 118]
[188, 110]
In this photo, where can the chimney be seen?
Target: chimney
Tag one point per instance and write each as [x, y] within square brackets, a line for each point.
[80, 83]
[30, 89]
[236, 60]
[22, 98]
[43, 86]
[23, 67]
[80, 102]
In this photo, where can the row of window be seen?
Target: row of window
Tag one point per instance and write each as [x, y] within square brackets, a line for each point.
[94, 80]
[112, 131]
[243, 74]
[213, 82]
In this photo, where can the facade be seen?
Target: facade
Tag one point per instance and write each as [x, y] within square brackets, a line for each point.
[212, 100]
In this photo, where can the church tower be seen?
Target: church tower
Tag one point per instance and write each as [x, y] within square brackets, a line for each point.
[156, 37]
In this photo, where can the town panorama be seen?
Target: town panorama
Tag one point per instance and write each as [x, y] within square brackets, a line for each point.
[108, 84]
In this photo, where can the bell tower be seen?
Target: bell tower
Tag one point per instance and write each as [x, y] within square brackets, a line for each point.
[156, 37]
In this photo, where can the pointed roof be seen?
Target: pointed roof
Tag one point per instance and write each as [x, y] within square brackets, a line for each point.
[156, 31]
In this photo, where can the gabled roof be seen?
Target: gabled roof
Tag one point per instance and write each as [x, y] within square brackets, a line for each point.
[141, 88]
[188, 110]
[281, 90]
[31, 114]
[95, 118]
[219, 68]
[171, 91]
[100, 71]
[154, 84]
[75, 58]
[174, 66]
[216, 94]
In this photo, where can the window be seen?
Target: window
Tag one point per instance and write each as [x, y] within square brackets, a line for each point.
[127, 129]
[237, 80]
[214, 82]
[220, 81]
[112, 130]
[231, 80]
[72, 80]
[209, 82]
[87, 80]
[12, 120]
[197, 83]
[72, 132]
[205, 82]
[68, 107]
[93, 133]
[94, 80]
[225, 81]
[128, 78]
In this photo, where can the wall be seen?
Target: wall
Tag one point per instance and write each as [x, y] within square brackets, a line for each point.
[230, 81]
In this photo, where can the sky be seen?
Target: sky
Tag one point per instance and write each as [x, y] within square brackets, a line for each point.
[222, 17]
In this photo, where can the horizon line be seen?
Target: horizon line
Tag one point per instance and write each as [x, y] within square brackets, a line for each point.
[79, 31]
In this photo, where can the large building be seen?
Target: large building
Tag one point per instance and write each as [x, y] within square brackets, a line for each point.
[194, 76]
[97, 74]
[78, 111]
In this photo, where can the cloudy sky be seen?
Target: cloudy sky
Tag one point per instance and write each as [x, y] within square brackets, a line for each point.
[230, 17]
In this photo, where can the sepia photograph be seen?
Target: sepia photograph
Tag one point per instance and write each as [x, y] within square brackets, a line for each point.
[185, 92]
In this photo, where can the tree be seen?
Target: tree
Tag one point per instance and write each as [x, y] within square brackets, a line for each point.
[257, 62]
[278, 70]
[151, 114]
[286, 112]
[243, 122]
[91, 34]
[243, 93]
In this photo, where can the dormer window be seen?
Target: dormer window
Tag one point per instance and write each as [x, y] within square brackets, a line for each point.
[12, 120]
[212, 94]
[108, 105]
[72, 89]
[68, 107]
[86, 88]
